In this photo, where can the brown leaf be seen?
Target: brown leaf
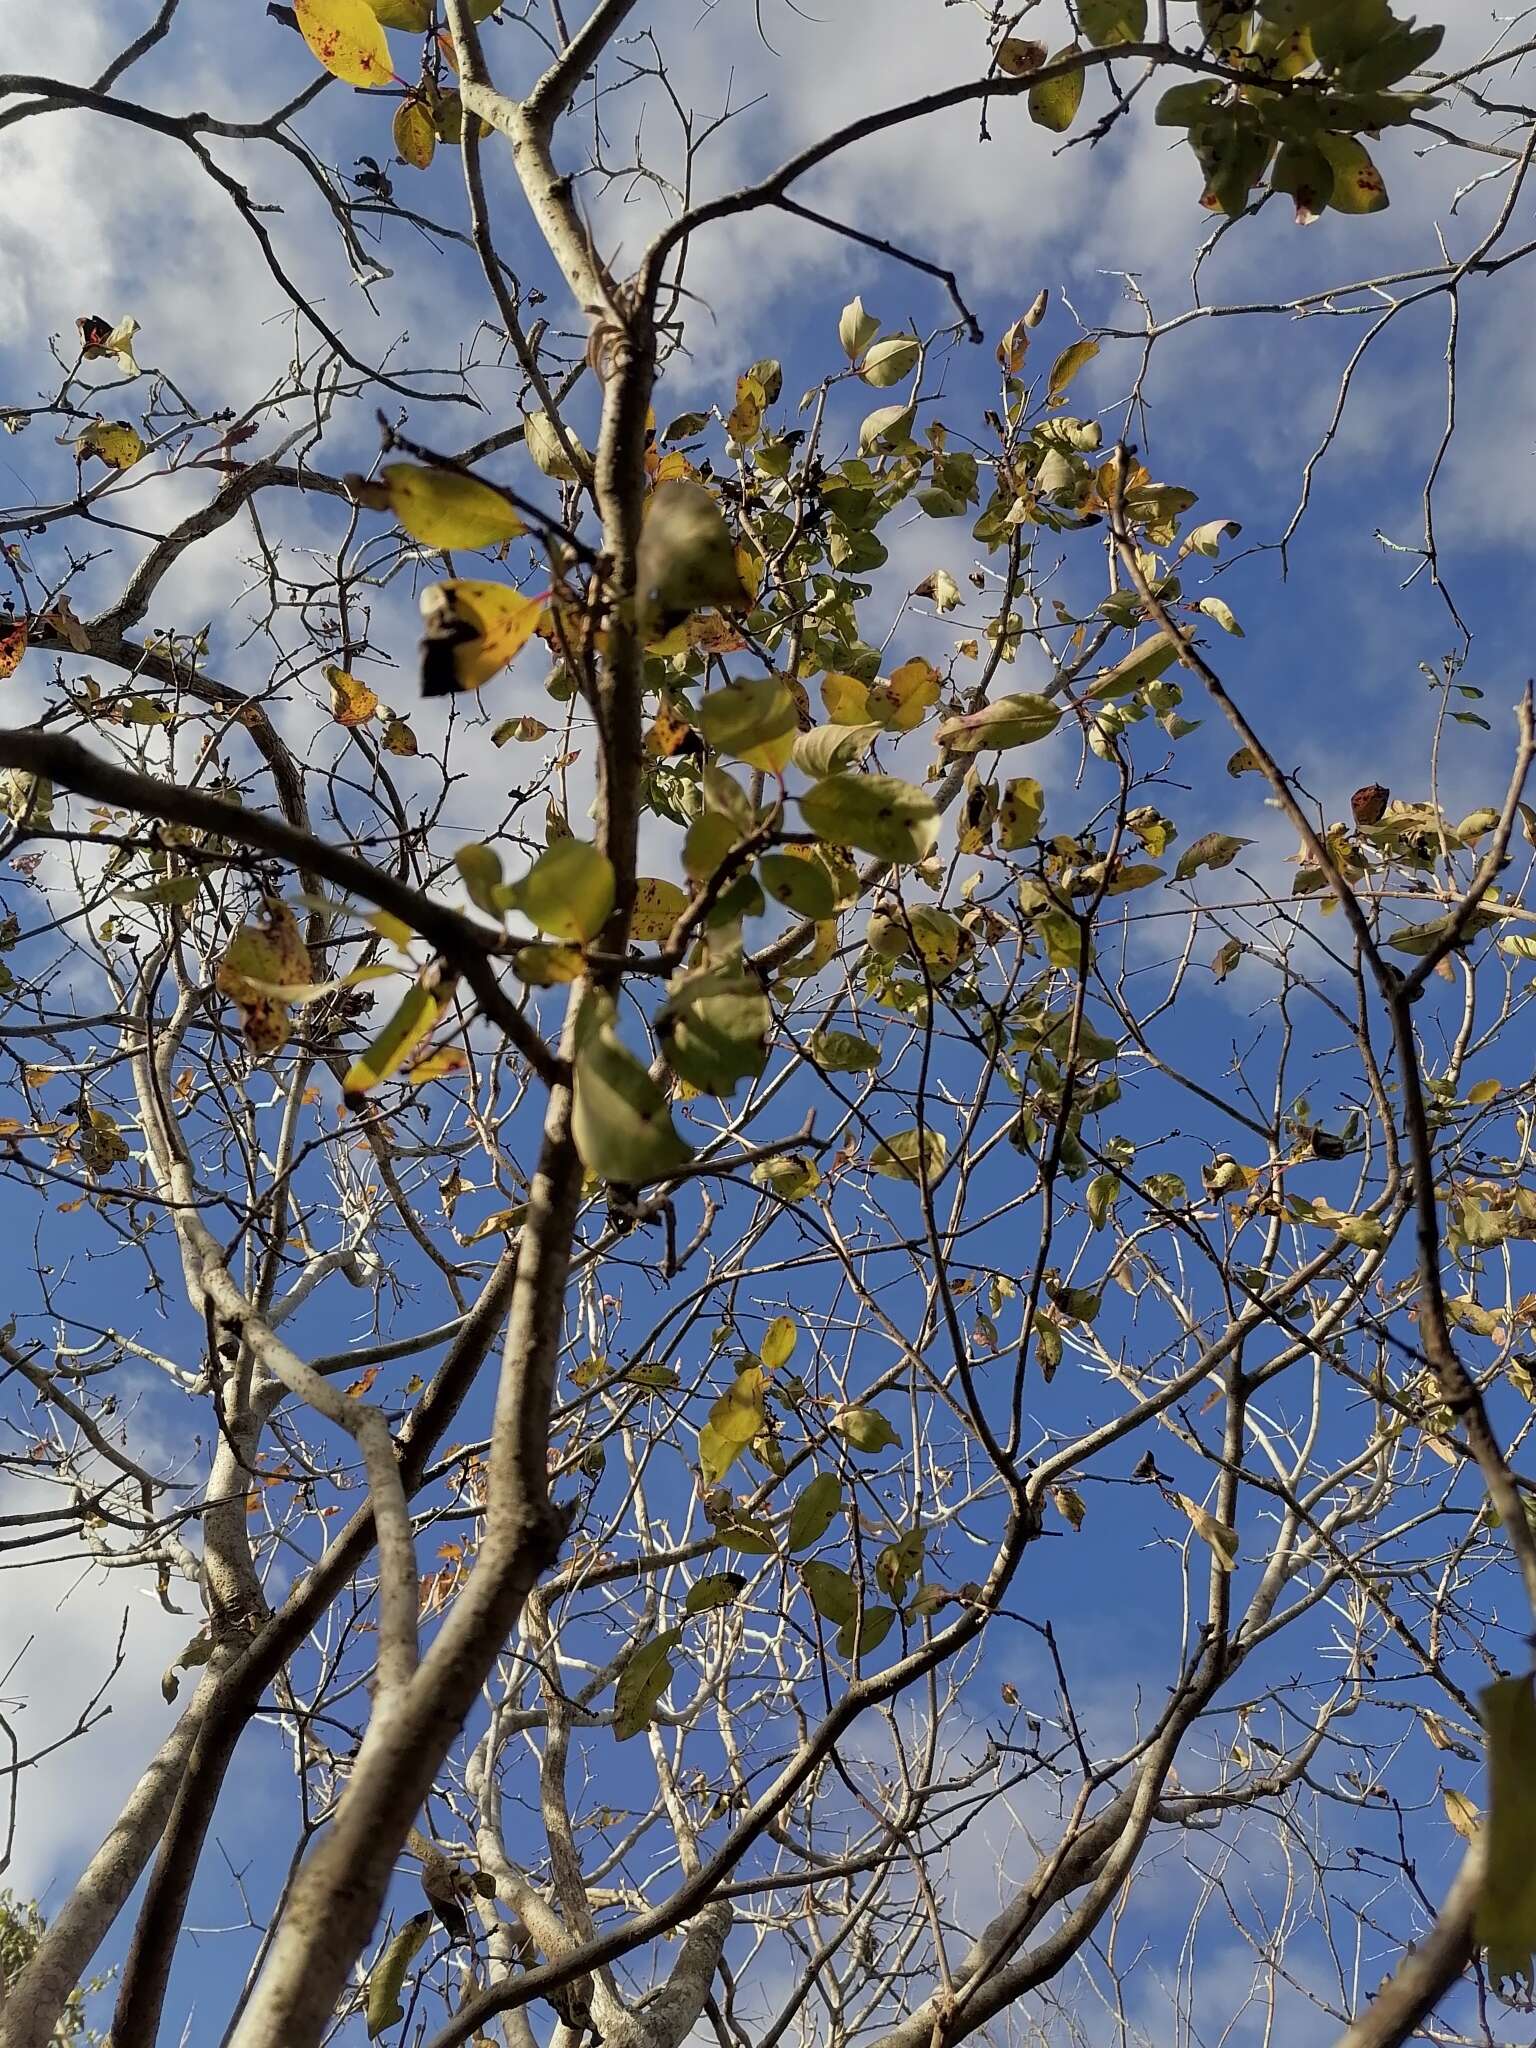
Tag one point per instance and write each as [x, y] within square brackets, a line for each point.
[1369, 803]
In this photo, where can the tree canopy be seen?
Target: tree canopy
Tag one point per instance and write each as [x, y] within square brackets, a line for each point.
[767, 945]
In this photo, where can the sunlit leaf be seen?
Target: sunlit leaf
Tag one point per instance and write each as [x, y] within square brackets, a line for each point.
[1221, 1538]
[1005, 722]
[1054, 102]
[347, 38]
[444, 509]
[386, 1980]
[876, 813]
[734, 1420]
[1067, 365]
[414, 1017]
[472, 630]
[568, 892]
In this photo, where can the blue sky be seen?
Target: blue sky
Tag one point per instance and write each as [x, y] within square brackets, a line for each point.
[105, 219]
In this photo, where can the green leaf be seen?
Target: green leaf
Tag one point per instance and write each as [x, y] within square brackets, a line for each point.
[832, 1592]
[418, 1011]
[754, 719]
[876, 813]
[1113, 21]
[734, 1421]
[843, 1052]
[1054, 102]
[814, 1512]
[865, 1430]
[887, 427]
[1211, 850]
[714, 1030]
[718, 1589]
[645, 1677]
[568, 892]
[887, 362]
[1506, 1908]
[803, 886]
[873, 1630]
[386, 1979]
[1005, 722]
[620, 1121]
[752, 1539]
[910, 1155]
[480, 867]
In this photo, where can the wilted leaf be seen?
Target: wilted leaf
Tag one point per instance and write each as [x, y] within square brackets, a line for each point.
[1221, 1538]
[1017, 57]
[658, 906]
[1211, 850]
[472, 631]
[352, 702]
[113, 442]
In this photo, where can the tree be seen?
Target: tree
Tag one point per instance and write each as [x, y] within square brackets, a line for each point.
[828, 1388]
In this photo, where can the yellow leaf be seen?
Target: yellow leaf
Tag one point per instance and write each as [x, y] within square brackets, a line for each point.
[658, 906]
[113, 442]
[352, 702]
[846, 699]
[733, 1422]
[413, 1019]
[1461, 1813]
[446, 510]
[1067, 365]
[346, 37]
[472, 631]
[899, 704]
[415, 137]
[549, 453]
